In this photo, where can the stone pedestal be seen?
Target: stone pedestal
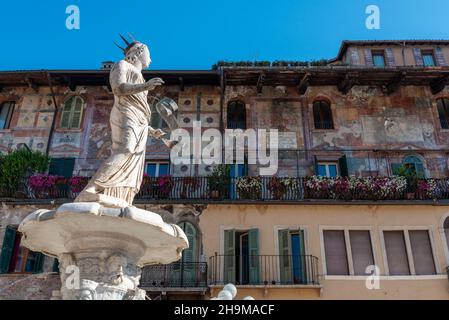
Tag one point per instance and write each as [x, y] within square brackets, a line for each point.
[101, 249]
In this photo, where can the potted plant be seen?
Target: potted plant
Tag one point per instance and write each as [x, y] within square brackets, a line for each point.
[408, 171]
[219, 180]
[249, 187]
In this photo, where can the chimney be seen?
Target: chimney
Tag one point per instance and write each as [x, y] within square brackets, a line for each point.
[107, 65]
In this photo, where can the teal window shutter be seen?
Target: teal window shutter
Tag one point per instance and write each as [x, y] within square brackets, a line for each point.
[55, 267]
[395, 168]
[343, 164]
[62, 167]
[254, 264]
[229, 258]
[39, 262]
[189, 256]
[7, 249]
[285, 262]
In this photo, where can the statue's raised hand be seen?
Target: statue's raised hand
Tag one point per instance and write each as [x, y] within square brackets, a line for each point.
[153, 83]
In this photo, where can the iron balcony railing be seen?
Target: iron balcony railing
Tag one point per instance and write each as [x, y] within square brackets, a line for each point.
[263, 270]
[175, 275]
[266, 189]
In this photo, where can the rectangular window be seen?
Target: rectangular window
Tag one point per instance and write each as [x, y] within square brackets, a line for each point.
[335, 252]
[362, 251]
[397, 247]
[396, 251]
[6, 111]
[379, 58]
[158, 169]
[428, 58]
[327, 169]
[422, 252]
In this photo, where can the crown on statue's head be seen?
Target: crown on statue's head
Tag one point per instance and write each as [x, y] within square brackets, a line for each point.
[129, 44]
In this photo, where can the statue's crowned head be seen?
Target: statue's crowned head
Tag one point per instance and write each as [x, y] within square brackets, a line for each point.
[136, 51]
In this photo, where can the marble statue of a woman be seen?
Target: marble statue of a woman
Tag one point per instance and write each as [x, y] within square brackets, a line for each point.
[119, 177]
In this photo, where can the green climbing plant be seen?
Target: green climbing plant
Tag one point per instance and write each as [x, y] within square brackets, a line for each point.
[19, 164]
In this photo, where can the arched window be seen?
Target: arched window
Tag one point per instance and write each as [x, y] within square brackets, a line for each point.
[236, 115]
[72, 113]
[415, 165]
[322, 115]
[443, 112]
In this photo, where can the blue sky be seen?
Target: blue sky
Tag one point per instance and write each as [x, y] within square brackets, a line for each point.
[195, 34]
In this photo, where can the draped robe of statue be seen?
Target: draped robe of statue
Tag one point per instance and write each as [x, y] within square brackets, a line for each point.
[120, 176]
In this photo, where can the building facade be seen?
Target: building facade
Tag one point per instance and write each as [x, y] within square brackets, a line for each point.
[361, 189]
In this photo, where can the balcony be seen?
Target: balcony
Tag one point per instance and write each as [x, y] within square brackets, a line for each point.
[264, 270]
[178, 276]
[249, 190]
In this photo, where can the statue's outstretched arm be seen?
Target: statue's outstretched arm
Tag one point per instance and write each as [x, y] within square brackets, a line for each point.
[121, 86]
[125, 89]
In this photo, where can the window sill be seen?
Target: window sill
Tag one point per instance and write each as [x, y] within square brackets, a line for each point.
[68, 130]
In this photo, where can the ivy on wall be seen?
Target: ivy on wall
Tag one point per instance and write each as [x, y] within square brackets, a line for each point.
[19, 164]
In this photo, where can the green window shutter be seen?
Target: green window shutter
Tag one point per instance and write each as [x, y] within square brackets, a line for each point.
[189, 255]
[77, 112]
[62, 167]
[39, 263]
[229, 258]
[343, 164]
[55, 267]
[254, 264]
[285, 267]
[7, 249]
[65, 118]
[395, 168]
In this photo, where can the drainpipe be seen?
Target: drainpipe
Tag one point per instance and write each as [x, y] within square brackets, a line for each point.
[222, 96]
[53, 123]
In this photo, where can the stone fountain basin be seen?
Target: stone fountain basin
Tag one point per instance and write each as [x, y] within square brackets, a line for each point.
[77, 228]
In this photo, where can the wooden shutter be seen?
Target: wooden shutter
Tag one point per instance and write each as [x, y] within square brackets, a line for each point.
[395, 168]
[55, 267]
[189, 255]
[418, 57]
[362, 251]
[389, 57]
[335, 252]
[77, 112]
[422, 252]
[229, 258]
[369, 58]
[439, 57]
[354, 56]
[65, 116]
[7, 249]
[285, 262]
[396, 253]
[62, 167]
[343, 165]
[253, 249]
[39, 262]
